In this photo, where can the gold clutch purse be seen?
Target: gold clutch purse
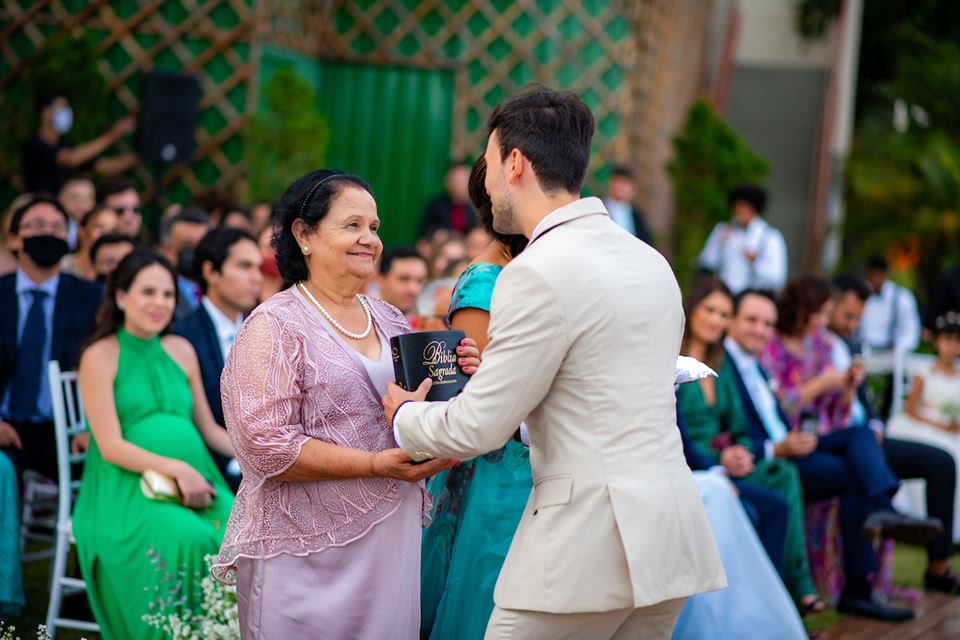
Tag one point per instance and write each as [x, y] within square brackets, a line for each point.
[160, 486]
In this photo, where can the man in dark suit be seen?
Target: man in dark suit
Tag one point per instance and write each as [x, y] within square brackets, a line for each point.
[452, 210]
[621, 190]
[907, 459]
[847, 463]
[47, 315]
[227, 268]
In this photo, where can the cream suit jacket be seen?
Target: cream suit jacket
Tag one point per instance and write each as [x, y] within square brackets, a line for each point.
[585, 327]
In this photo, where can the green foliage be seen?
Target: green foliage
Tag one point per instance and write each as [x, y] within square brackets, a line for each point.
[288, 139]
[812, 17]
[903, 183]
[69, 67]
[709, 160]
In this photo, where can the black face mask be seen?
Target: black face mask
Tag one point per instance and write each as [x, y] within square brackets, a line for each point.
[46, 251]
[185, 262]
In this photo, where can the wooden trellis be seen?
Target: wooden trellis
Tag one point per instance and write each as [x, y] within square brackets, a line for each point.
[213, 39]
[496, 47]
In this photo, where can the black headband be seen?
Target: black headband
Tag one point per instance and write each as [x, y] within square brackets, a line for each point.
[306, 200]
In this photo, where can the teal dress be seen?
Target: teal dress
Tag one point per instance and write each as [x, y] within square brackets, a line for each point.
[11, 579]
[477, 507]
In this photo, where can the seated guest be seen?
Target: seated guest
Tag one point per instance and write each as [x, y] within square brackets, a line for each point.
[147, 411]
[107, 252]
[237, 217]
[846, 463]
[907, 459]
[432, 305]
[122, 196]
[261, 215]
[179, 235]
[452, 210]
[452, 250]
[403, 274]
[47, 316]
[227, 266]
[932, 411]
[78, 196]
[713, 415]
[755, 604]
[12, 598]
[97, 222]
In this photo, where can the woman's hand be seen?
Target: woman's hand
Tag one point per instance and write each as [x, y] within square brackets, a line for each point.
[468, 356]
[196, 490]
[397, 463]
[833, 379]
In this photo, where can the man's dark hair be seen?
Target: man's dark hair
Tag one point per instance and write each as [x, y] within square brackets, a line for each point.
[190, 214]
[112, 187]
[753, 195]
[553, 129]
[108, 239]
[242, 210]
[848, 283]
[622, 171]
[877, 263]
[35, 199]
[398, 253]
[763, 293]
[215, 248]
[46, 98]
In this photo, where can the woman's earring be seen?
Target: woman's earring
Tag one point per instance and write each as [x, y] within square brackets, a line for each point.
[121, 306]
[306, 249]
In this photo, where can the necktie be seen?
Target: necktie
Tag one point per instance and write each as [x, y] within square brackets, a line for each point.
[26, 382]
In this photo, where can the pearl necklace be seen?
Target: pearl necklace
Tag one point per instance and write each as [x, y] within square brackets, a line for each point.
[339, 327]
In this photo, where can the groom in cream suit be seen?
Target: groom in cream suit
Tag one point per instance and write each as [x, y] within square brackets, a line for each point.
[585, 327]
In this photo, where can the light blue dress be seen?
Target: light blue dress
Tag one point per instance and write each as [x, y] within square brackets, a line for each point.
[477, 507]
[755, 605]
[11, 578]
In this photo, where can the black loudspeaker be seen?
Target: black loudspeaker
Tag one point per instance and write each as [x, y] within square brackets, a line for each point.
[168, 117]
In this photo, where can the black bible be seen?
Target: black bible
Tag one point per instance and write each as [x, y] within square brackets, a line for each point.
[429, 354]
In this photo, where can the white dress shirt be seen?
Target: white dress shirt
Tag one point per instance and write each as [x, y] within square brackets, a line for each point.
[622, 214]
[225, 327]
[842, 359]
[726, 254]
[759, 389]
[891, 319]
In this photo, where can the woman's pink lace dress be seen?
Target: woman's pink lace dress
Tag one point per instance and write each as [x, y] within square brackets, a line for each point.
[288, 378]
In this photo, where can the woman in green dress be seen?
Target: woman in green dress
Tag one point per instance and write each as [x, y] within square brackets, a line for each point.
[146, 410]
[714, 419]
[477, 504]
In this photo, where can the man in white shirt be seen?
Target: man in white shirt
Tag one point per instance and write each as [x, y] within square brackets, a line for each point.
[227, 268]
[890, 316]
[746, 253]
[621, 190]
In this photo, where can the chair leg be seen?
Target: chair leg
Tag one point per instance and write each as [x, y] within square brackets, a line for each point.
[56, 588]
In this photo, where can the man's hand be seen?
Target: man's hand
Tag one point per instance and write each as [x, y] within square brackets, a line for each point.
[9, 436]
[397, 396]
[796, 445]
[80, 443]
[737, 460]
[397, 463]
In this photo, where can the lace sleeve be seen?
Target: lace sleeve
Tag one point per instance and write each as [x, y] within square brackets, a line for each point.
[261, 394]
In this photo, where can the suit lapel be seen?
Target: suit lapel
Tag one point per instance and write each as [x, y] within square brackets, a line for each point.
[61, 307]
[212, 339]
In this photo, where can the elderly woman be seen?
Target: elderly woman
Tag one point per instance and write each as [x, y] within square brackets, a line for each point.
[324, 537]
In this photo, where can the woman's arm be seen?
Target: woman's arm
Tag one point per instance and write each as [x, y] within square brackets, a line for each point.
[474, 323]
[213, 434]
[912, 406]
[98, 370]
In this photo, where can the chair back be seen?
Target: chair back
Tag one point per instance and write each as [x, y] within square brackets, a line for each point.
[905, 367]
[68, 420]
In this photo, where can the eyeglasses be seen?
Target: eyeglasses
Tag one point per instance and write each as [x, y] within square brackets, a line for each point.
[119, 210]
[42, 227]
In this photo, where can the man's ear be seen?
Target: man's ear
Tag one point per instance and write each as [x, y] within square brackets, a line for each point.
[514, 165]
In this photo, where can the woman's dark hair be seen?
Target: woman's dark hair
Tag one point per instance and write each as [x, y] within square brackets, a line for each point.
[801, 299]
[553, 129]
[308, 199]
[108, 239]
[110, 316]
[476, 189]
[703, 290]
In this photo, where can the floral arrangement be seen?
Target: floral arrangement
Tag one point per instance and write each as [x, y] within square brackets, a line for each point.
[216, 619]
[6, 632]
